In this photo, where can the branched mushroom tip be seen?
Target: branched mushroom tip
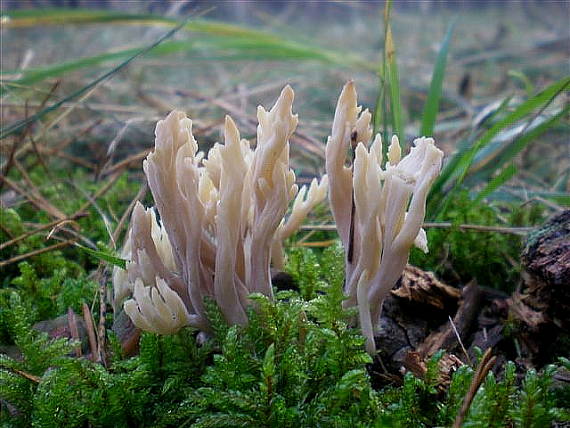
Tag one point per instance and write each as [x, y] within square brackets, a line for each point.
[221, 222]
[386, 211]
[222, 216]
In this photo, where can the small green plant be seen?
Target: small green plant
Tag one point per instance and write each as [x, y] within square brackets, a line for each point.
[297, 363]
[459, 255]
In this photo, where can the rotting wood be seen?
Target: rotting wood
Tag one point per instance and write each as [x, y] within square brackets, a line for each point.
[423, 287]
[541, 308]
[419, 304]
[447, 365]
[446, 336]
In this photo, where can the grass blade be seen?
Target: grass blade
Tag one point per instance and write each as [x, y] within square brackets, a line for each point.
[431, 107]
[460, 164]
[100, 255]
[542, 99]
[504, 176]
[497, 159]
[218, 48]
[15, 127]
[244, 42]
[394, 82]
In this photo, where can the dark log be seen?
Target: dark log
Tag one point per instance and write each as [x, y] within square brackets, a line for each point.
[451, 334]
[541, 309]
[418, 305]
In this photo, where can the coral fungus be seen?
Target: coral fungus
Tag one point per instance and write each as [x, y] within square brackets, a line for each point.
[221, 222]
[222, 217]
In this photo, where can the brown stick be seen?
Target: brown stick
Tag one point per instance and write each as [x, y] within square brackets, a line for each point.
[25, 375]
[36, 252]
[125, 162]
[72, 323]
[100, 192]
[485, 365]
[45, 226]
[444, 225]
[39, 202]
[101, 329]
[90, 331]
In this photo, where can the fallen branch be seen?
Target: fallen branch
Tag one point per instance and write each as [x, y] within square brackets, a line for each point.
[443, 225]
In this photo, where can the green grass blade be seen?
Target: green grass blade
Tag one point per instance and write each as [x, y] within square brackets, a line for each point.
[523, 78]
[497, 160]
[523, 110]
[35, 75]
[394, 82]
[255, 44]
[450, 169]
[505, 175]
[219, 48]
[380, 115]
[459, 165]
[383, 101]
[15, 127]
[100, 255]
[431, 107]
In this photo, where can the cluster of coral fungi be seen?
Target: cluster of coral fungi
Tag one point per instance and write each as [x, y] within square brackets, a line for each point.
[224, 216]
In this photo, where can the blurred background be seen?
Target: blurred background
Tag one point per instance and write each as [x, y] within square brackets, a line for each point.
[84, 82]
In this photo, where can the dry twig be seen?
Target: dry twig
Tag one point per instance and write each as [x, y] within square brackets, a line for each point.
[443, 225]
[485, 365]
[90, 331]
[36, 252]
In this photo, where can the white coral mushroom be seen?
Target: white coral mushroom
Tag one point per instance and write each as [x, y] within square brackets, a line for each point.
[157, 309]
[378, 212]
[220, 217]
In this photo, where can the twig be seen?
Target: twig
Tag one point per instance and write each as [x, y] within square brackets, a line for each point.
[125, 162]
[33, 378]
[459, 340]
[485, 365]
[483, 228]
[114, 143]
[36, 252]
[72, 323]
[40, 203]
[57, 150]
[45, 226]
[463, 227]
[17, 152]
[100, 192]
[90, 331]
[101, 328]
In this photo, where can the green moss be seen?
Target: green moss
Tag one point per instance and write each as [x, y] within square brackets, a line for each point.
[492, 258]
[298, 363]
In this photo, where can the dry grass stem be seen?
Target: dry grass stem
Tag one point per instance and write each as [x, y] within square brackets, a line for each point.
[485, 365]
[37, 252]
[126, 215]
[54, 224]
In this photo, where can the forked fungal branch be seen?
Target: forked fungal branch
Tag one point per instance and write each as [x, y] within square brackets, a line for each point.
[222, 217]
